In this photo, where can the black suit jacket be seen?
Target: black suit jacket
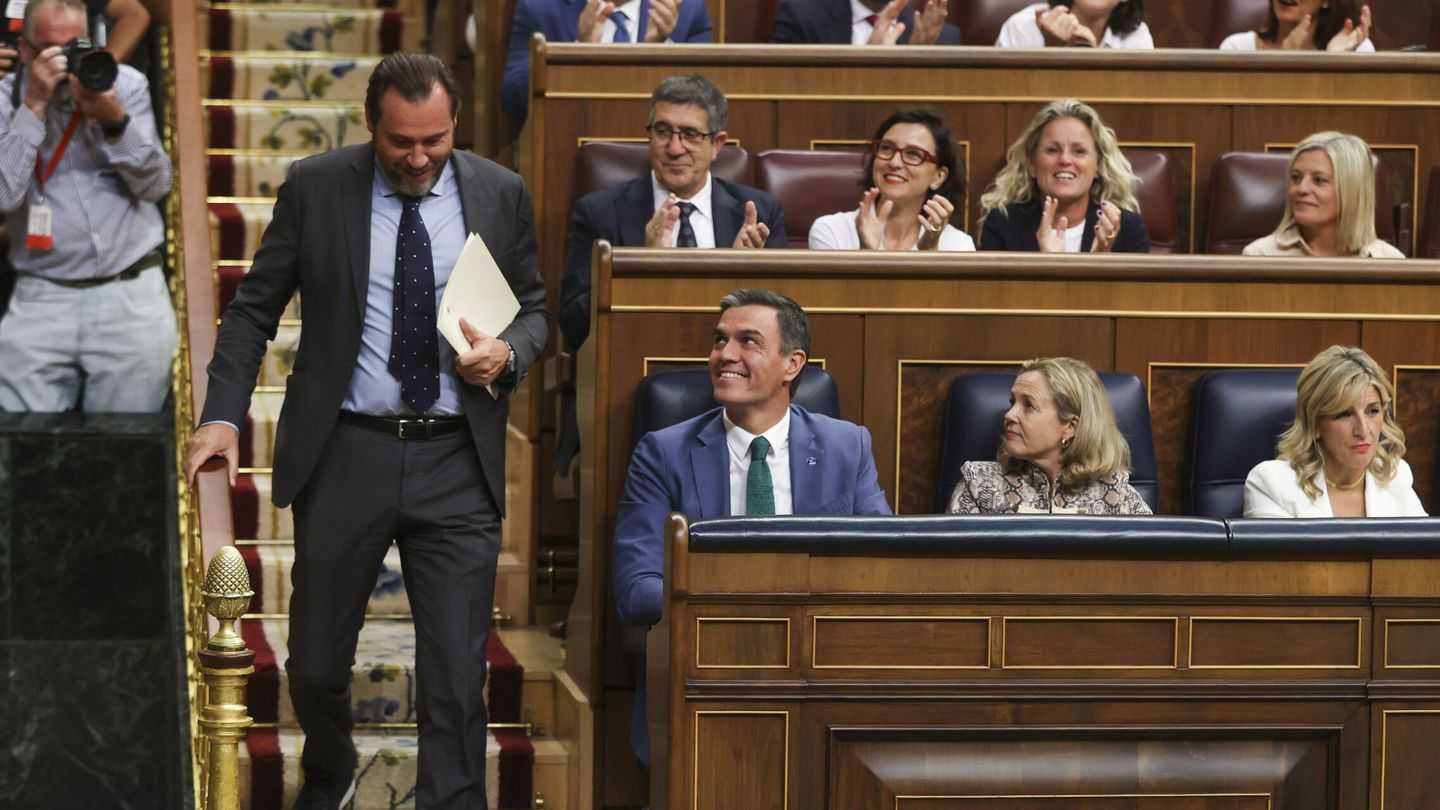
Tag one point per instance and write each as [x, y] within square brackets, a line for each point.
[619, 215]
[318, 242]
[827, 22]
[1015, 230]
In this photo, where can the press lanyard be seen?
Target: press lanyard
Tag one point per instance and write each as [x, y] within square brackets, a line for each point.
[43, 174]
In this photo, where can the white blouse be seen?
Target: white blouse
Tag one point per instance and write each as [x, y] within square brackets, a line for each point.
[1022, 31]
[838, 231]
[1250, 41]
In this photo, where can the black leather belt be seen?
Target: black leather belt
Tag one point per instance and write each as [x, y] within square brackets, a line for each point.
[149, 260]
[407, 428]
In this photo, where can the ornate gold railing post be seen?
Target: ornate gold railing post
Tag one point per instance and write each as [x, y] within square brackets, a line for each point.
[226, 666]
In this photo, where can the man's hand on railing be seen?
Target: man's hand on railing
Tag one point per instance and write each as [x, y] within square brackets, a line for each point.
[216, 440]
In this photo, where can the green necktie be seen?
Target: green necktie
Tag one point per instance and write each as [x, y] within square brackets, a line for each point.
[759, 490]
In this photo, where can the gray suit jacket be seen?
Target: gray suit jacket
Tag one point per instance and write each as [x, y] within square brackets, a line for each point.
[318, 242]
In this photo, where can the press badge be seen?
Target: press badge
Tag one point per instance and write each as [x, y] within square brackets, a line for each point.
[38, 234]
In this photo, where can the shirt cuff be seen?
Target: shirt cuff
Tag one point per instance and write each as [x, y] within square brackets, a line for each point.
[25, 124]
[224, 422]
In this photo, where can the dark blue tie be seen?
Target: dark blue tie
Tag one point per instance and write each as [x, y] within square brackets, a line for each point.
[414, 341]
[622, 34]
[686, 236]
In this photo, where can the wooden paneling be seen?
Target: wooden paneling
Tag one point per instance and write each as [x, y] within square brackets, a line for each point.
[1409, 642]
[742, 642]
[1008, 767]
[1408, 760]
[1102, 642]
[741, 759]
[1274, 642]
[918, 642]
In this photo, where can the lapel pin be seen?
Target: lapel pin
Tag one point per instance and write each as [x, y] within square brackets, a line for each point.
[810, 461]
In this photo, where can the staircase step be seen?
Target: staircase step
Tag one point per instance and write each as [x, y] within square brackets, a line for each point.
[307, 28]
[236, 225]
[270, 773]
[229, 274]
[270, 563]
[285, 126]
[383, 675]
[289, 75]
[247, 174]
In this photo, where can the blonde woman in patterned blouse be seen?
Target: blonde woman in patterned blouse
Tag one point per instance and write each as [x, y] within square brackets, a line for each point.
[1061, 451]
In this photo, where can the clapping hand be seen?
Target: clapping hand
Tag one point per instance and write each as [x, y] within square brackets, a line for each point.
[1107, 227]
[592, 20]
[888, 27]
[1302, 37]
[871, 220]
[660, 230]
[929, 20]
[754, 232]
[1061, 28]
[933, 219]
[1351, 36]
[663, 16]
[1051, 233]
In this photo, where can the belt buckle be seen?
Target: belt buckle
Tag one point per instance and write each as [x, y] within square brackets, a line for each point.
[423, 429]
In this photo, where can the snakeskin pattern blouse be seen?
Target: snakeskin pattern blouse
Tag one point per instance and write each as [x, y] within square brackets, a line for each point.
[986, 489]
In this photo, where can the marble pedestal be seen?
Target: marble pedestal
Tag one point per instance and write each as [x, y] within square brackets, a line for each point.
[92, 700]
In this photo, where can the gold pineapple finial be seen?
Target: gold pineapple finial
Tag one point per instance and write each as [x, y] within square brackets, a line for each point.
[227, 596]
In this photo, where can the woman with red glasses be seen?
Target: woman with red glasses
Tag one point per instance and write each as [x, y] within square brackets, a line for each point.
[912, 185]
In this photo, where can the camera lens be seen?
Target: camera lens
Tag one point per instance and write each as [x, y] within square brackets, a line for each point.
[97, 71]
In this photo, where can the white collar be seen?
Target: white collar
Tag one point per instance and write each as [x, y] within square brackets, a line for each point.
[859, 13]
[630, 9]
[701, 200]
[738, 439]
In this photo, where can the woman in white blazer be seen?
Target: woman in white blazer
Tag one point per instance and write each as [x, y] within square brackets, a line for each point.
[1343, 455]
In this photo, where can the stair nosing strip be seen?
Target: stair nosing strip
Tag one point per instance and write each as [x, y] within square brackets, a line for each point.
[282, 103]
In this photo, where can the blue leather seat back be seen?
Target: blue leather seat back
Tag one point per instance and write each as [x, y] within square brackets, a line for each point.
[975, 411]
[670, 397]
[1238, 416]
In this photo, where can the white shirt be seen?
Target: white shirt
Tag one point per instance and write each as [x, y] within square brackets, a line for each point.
[860, 27]
[839, 231]
[631, 10]
[1250, 41]
[702, 219]
[738, 440]
[1022, 31]
[1074, 238]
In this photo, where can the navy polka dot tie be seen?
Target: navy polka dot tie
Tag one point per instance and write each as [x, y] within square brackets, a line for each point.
[686, 236]
[414, 342]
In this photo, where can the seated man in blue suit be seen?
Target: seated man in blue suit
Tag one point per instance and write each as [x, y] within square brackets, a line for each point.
[864, 22]
[593, 21]
[677, 203]
[757, 454]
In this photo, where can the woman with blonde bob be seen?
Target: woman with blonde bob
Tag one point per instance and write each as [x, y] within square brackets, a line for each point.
[1329, 203]
[1344, 454]
[1060, 452]
[1066, 188]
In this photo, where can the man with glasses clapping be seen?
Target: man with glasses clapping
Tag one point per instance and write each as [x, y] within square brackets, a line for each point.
[677, 203]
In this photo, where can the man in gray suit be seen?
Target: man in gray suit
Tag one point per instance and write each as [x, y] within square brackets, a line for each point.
[386, 433]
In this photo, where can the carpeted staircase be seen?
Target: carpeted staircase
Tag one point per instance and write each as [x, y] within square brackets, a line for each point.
[284, 81]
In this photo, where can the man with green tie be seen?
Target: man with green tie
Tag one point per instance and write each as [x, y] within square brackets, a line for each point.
[756, 454]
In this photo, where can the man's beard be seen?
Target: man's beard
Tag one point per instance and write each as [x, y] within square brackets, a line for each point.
[410, 185]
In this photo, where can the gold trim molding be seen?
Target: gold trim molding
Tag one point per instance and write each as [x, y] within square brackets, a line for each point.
[1359, 641]
[814, 641]
[1385, 645]
[1174, 640]
[748, 619]
[695, 742]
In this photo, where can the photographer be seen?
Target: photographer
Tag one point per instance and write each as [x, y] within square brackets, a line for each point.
[81, 167]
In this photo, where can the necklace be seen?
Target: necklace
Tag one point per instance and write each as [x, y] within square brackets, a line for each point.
[1344, 487]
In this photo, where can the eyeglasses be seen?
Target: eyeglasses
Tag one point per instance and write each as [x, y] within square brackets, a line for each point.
[910, 155]
[662, 133]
